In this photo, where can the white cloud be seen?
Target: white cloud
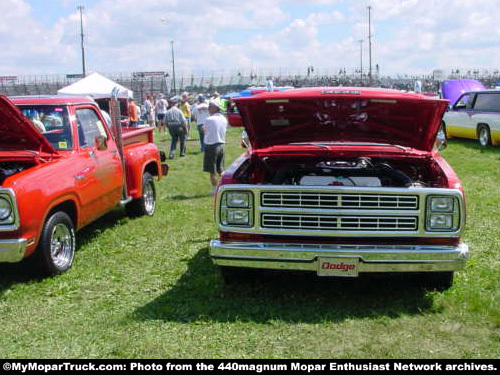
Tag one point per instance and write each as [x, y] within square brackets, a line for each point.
[410, 36]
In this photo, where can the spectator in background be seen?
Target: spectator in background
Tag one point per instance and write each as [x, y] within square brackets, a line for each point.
[133, 114]
[214, 129]
[160, 109]
[139, 113]
[200, 113]
[149, 111]
[216, 98]
[185, 108]
[177, 127]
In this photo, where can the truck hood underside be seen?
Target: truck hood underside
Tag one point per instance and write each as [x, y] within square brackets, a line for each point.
[18, 133]
[342, 115]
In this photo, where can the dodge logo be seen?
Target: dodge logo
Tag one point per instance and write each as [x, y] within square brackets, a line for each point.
[337, 266]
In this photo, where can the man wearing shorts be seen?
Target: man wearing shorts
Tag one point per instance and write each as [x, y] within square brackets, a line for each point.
[161, 110]
[214, 129]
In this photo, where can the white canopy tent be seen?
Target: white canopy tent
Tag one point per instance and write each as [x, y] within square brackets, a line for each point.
[97, 86]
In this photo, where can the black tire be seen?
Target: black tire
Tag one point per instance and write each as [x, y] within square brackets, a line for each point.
[439, 281]
[484, 135]
[146, 204]
[235, 275]
[56, 250]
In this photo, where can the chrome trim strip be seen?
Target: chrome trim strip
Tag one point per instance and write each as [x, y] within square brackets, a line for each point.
[10, 196]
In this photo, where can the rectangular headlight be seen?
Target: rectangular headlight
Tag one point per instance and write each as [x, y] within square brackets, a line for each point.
[440, 221]
[441, 204]
[238, 199]
[237, 217]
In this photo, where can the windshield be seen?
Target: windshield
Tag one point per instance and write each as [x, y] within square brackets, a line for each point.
[53, 122]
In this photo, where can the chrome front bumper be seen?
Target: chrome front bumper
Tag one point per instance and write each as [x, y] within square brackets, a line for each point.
[368, 258]
[12, 251]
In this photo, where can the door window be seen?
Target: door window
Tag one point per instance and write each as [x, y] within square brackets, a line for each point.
[89, 127]
[464, 102]
[487, 102]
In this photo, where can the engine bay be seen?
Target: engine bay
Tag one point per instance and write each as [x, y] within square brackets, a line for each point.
[356, 172]
[8, 169]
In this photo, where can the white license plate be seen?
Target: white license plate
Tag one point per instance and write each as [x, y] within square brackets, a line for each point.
[343, 267]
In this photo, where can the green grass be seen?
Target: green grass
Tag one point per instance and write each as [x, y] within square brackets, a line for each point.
[146, 288]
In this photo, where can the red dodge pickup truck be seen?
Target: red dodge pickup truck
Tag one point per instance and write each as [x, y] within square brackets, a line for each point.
[60, 169]
[341, 181]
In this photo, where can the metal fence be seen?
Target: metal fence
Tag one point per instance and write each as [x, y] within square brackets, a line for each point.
[143, 83]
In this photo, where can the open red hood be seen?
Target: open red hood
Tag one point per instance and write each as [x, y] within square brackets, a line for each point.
[342, 114]
[17, 132]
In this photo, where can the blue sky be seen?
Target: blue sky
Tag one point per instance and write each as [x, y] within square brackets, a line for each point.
[409, 36]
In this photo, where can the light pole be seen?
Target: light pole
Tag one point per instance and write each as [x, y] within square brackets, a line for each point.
[173, 64]
[370, 43]
[361, 60]
[80, 9]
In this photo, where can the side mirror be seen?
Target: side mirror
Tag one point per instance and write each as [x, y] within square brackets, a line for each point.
[101, 142]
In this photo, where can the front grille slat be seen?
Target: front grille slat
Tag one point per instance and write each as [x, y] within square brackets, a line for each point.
[338, 223]
[324, 200]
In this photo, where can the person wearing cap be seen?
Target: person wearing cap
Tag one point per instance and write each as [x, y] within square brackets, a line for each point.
[214, 129]
[200, 113]
[177, 127]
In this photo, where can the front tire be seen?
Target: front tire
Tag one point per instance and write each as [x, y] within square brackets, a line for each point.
[484, 135]
[439, 281]
[56, 250]
[146, 204]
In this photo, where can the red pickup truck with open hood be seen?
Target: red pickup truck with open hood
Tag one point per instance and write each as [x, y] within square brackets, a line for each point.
[60, 169]
[341, 182]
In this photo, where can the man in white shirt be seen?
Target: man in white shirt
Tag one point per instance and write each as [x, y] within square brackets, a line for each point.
[161, 109]
[200, 113]
[214, 130]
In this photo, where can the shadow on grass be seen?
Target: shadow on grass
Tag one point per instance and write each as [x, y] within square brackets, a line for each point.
[202, 295]
[472, 144]
[26, 271]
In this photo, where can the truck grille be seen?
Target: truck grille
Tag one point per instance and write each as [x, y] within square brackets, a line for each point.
[342, 201]
[335, 222]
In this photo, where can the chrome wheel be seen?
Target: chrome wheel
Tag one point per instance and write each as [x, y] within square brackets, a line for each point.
[146, 204]
[149, 196]
[56, 250]
[484, 136]
[61, 246]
